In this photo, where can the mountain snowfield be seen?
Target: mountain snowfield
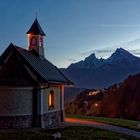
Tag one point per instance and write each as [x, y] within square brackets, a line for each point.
[100, 73]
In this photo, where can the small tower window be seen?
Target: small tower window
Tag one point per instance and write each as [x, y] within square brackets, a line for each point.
[33, 41]
[51, 100]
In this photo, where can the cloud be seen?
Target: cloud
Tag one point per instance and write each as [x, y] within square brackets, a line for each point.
[71, 59]
[87, 53]
[99, 52]
[135, 52]
[104, 51]
[131, 43]
[119, 25]
[107, 51]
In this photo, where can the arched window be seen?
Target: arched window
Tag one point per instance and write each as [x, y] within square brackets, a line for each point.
[33, 41]
[51, 100]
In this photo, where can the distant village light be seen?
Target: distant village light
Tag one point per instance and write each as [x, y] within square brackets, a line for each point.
[93, 93]
[96, 105]
[90, 94]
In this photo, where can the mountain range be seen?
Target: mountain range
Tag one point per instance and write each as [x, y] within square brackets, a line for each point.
[101, 73]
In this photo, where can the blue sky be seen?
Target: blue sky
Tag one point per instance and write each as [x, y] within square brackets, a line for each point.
[74, 28]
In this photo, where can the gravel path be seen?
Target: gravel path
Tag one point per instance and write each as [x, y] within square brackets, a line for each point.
[74, 121]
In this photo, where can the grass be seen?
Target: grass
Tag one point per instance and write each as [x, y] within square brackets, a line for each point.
[113, 121]
[70, 133]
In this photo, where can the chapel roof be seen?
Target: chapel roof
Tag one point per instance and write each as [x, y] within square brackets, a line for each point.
[36, 28]
[43, 68]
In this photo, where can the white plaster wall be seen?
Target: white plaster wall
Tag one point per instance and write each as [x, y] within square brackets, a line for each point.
[15, 101]
[57, 92]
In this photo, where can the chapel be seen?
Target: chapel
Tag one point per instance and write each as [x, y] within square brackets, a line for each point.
[31, 87]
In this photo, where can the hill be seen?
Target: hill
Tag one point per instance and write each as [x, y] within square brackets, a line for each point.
[121, 101]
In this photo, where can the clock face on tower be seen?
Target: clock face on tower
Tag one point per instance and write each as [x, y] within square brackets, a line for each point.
[33, 41]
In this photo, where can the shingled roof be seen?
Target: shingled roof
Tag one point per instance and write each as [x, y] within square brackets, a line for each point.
[44, 69]
[36, 28]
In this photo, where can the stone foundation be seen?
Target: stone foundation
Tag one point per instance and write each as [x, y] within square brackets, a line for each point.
[47, 120]
[51, 118]
[16, 121]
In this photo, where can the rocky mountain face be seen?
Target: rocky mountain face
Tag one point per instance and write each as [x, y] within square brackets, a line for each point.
[100, 73]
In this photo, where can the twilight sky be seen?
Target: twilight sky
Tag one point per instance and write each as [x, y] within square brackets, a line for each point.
[74, 28]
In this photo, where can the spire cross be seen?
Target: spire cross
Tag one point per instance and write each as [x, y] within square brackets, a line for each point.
[36, 14]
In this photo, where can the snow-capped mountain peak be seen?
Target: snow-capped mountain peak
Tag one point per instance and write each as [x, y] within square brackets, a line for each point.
[122, 56]
[89, 62]
[99, 73]
[91, 57]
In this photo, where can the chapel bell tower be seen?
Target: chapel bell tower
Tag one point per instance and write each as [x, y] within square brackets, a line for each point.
[35, 39]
